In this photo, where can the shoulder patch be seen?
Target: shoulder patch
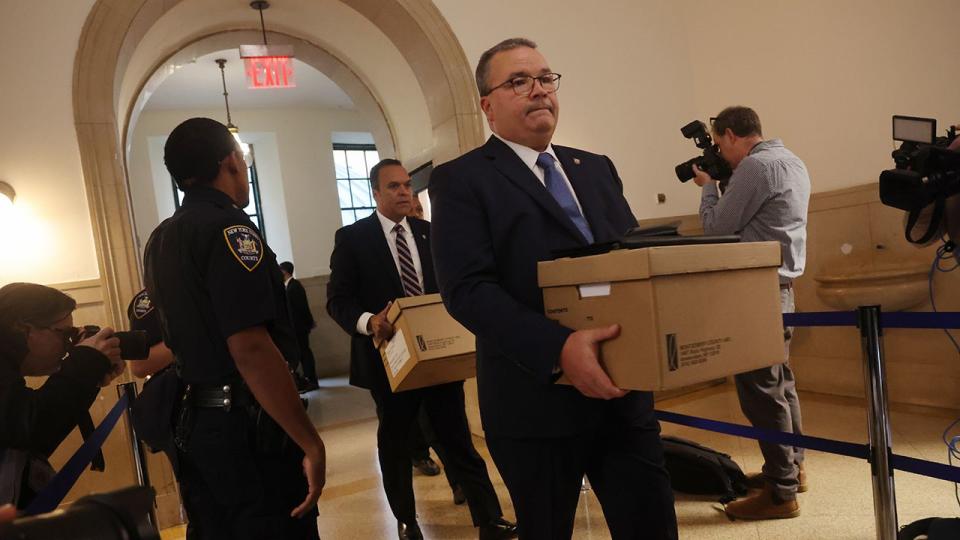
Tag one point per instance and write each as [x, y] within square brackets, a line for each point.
[245, 245]
[142, 305]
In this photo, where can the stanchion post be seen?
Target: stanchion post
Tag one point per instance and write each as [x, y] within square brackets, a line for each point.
[129, 390]
[874, 373]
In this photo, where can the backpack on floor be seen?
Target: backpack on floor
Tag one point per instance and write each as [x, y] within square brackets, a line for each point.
[932, 529]
[699, 470]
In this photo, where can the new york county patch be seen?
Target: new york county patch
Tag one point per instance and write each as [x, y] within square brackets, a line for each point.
[142, 305]
[245, 244]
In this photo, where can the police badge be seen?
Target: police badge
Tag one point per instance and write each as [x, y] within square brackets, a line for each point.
[245, 244]
[142, 305]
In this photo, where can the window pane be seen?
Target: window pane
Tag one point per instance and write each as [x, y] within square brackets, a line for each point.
[372, 158]
[355, 164]
[347, 217]
[364, 212]
[361, 192]
[340, 163]
[251, 209]
[343, 188]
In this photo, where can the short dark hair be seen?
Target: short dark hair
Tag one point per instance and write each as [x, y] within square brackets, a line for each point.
[194, 150]
[742, 121]
[375, 171]
[287, 267]
[29, 303]
[483, 66]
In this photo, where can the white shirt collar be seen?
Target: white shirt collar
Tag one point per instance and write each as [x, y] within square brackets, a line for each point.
[388, 225]
[287, 281]
[526, 154]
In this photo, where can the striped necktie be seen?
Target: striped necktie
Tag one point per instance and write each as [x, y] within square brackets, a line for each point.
[408, 272]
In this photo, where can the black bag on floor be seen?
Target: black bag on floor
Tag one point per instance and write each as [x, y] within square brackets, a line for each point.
[932, 529]
[699, 470]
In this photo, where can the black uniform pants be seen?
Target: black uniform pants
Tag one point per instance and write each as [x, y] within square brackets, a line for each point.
[443, 405]
[626, 471]
[234, 491]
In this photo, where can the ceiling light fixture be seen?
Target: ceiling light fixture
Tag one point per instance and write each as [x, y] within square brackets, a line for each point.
[222, 62]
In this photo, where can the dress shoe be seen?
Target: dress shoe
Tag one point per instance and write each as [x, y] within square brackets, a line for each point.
[427, 466]
[762, 504]
[409, 531]
[458, 496]
[498, 528]
[756, 481]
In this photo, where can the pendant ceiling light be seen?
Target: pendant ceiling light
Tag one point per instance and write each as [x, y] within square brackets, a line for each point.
[222, 62]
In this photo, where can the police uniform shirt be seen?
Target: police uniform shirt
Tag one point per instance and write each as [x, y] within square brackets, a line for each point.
[143, 316]
[210, 275]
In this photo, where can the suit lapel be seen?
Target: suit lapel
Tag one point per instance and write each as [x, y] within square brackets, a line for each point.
[511, 166]
[380, 249]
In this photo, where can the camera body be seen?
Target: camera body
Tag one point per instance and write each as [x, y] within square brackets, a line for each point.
[121, 515]
[710, 162]
[133, 344]
[926, 174]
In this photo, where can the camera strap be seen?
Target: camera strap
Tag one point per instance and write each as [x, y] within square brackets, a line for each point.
[934, 226]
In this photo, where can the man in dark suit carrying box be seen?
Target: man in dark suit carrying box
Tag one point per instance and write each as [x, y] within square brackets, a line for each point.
[497, 211]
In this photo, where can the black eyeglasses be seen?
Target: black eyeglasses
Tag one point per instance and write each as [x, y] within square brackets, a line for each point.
[523, 85]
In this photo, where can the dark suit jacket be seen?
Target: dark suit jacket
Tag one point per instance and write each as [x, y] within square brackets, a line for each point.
[492, 222]
[299, 308]
[364, 277]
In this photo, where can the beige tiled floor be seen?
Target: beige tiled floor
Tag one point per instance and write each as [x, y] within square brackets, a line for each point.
[839, 504]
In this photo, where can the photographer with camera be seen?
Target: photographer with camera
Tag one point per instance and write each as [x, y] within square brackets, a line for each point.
[766, 199]
[37, 338]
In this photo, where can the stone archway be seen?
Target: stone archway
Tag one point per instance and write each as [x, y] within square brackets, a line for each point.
[110, 36]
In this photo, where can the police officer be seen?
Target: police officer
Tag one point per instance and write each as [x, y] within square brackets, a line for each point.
[244, 441]
[153, 410]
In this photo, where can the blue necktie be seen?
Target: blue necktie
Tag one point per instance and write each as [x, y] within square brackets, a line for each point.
[561, 193]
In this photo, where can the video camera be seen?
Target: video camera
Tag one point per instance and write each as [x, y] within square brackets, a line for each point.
[926, 173]
[710, 162]
[133, 343]
[120, 515]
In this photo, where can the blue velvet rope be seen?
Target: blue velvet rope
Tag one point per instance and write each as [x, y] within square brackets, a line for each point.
[862, 451]
[892, 319]
[842, 448]
[52, 495]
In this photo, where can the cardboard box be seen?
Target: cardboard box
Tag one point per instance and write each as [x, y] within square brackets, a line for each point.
[428, 347]
[687, 314]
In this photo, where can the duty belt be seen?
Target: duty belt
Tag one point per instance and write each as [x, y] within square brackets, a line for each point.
[219, 397]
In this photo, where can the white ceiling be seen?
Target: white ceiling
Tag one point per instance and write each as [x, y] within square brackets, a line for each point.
[197, 85]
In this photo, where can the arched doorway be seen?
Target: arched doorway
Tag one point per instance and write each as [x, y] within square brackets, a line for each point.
[119, 51]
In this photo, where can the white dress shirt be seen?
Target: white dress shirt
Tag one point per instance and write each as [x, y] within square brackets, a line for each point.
[388, 226]
[529, 158]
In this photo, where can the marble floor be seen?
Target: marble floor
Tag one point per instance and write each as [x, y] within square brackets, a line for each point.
[838, 506]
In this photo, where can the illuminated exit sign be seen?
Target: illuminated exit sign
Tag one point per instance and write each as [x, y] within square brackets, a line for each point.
[269, 72]
[268, 66]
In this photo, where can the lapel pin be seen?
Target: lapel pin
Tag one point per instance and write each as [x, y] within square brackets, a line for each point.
[576, 161]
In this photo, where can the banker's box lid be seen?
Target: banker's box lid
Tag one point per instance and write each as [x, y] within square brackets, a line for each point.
[407, 302]
[644, 263]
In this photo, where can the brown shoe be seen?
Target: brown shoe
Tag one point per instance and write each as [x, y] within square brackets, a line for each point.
[761, 505]
[755, 481]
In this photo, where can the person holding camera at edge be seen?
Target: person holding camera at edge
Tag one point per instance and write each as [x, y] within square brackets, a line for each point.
[766, 199]
[37, 338]
[252, 465]
[498, 210]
